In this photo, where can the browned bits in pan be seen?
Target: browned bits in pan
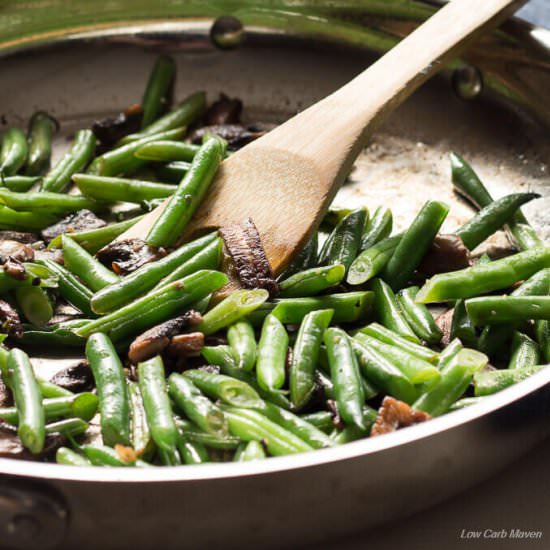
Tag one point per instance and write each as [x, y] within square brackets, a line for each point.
[395, 414]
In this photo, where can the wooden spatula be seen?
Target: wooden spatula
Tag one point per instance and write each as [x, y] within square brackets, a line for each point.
[286, 180]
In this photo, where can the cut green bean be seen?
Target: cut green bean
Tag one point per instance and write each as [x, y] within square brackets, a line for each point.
[41, 129]
[272, 353]
[192, 452]
[67, 456]
[158, 89]
[59, 203]
[378, 227]
[104, 456]
[168, 151]
[306, 258]
[50, 390]
[489, 382]
[525, 352]
[323, 420]
[491, 310]
[35, 304]
[242, 341]
[19, 184]
[72, 427]
[13, 153]
[312, 281]
[253, 450]
[418, 316]
[542, 331]
[140, 432]
[372, 260]
[212, 441]
[24, 221]
[462, 326]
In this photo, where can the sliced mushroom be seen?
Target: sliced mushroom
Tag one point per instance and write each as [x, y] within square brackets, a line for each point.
[394, 414]
[128, 255]
[447, 253]
[10, 321]
[109, 130]
[79, 221]
[225, 110]
[445, 322]
[14, 268]
[76, 378]
[14, 249]
[183, 345]
[236, 135]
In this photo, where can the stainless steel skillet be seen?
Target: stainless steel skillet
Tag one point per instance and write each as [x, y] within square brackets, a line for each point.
[92, 61]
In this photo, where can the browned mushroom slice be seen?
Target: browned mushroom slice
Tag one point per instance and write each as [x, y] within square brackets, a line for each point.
[225, 110]
[76, 378]
[79, 221]
[10, 321]
[109, 130]
[15, 269]
[128, 255]
[447, 253]
[250, 261]
[16, 250]
[394, 414]
[445, 323]
[183, 345]
[20, 236]
[156, 339]
[236, 135]
[11, 446]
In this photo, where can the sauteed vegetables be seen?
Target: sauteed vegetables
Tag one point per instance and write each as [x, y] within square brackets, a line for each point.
[366, 331]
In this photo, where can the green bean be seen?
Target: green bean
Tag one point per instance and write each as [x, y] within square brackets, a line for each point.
[489, 382]
[35, 304]
[53, 202]
[103, 456]
[387, 311]
[50, 390]
[28, 401]
[467, 183]
[253, 426]
[155, 307]
[200, 410]
[35, 275]
[83, 264]
[333, 217]
[306, 354]
[212, 441]
[491, 310]
[14, 151]
[455, 379]
[537, 285]
[382, 372]
[168, 151]
[110, 382]
[272, 353]
[524, 353]
[372, 260]
[75, 160]
[169, 226]
[122, 159]
[19, 184]
[237, 305]
[158, 89]
[323, 420]
[491, 218]
[418, 316]
[24, 221]
[140, 432]
[112, 189]
[344, 372]
[192, 452]
[465, 402]
[41, 129]
[542, 331]
[172, 172]
[348, 434]
[342, 245]
[146, 277]
[68, 457]
[394, 339]
[69, 427]
[187, 112]
[253, 450]
[415, 243]
[225, 388]
[415, 369]
[480, 279]
[240, 337]
[94, 239]
[76, 293]
[158, 410]
[306, 258]
[379, 227]
[49, 337]
[312, 281]
[462, 326]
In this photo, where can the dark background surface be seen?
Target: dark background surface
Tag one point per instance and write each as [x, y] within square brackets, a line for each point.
[517, 498]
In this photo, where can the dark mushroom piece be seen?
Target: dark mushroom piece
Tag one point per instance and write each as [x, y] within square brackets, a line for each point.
[110, 129]
[76, 378]
[10, 321]
[445, 323]
[17, 250]
[447, 253]
[182, 345]
[19, 236]
[11, 446]
[394, 415]
[236, 135]
[15, 269]
[225, 110]
[79, 221]
[127, 255]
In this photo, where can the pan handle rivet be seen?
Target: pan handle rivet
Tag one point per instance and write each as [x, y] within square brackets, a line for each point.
[227, 32]
[467, 82]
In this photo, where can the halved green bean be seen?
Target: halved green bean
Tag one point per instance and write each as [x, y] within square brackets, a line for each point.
[24, 221]
[111, 189]
[344, 372]
[13, 153]
[383, 373]
[158, 410]
[140, 432]
[158, 89]
[415, 369]
[41, 129]
[75, 160]
[455, 378]
[414, 244]
[306, 354]
[35, 304]
[155, 307]
[28, 401]
[480, 279]
[418, 316]
[212, 441]
[342, 245]
[69, 427]
[104, 456]
[192, 452]
[394, 339]
[253, 450]
[489, 382]
[168, 151]
[52, 202]
[372, 260]
[83, 264]
[70, 287]
[237, 305]
[67, 456]
[122, 159]
[312, 281]
[169, 226]
[272, 353]
[306, 258]
[525, 352]
[94, 239]
[253, 426]
[378, 228]
[388, 312]
[491, 218]
[462, 326]
[199, 409]
[491, 310]
[241, 338]
[19, 184]
[111, 387]
[146, 277]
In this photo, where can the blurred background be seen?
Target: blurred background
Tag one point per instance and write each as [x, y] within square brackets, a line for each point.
[537, 11]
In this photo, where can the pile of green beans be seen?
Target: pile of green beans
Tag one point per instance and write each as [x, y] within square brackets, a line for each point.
[304, 369]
